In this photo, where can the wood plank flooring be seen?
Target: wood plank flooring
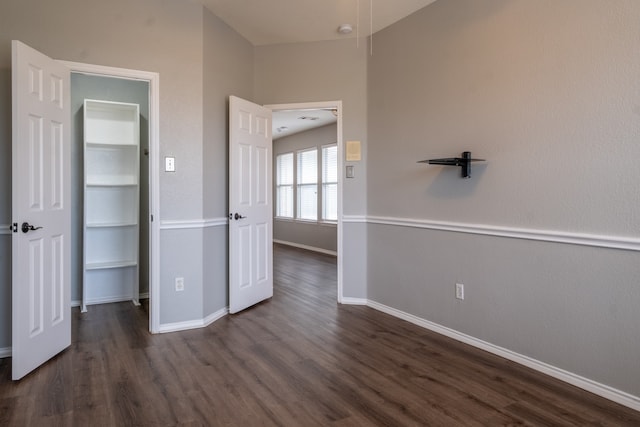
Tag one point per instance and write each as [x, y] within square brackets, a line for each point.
[298, 359]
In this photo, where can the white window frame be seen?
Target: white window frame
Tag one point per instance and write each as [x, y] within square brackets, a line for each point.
[301, 186]
[323, 183]
[279, 185]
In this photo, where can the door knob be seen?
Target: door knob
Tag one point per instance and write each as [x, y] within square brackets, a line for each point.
[26, 227]
[238, 216]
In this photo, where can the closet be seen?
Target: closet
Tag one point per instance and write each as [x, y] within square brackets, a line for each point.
[111, 202]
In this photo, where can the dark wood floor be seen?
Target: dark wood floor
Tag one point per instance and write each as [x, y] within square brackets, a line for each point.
[298, 359]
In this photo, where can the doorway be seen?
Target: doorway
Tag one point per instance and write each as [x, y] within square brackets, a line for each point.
[150, 200]
[112, 90]
[319, 229]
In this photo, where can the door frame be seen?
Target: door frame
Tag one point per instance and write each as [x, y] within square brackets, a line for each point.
[338, 106]
[154, 170]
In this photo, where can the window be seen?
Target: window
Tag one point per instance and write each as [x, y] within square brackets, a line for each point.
[284, 185]
[308, 184]
[330, 183]
[313, 173]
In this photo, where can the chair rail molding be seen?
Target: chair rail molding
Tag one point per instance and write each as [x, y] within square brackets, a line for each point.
[583, 239]
[193, 223]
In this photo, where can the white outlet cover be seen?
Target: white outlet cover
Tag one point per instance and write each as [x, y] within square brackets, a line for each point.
[169, 164]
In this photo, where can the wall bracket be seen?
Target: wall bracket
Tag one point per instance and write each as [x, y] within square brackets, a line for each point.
[464, 162]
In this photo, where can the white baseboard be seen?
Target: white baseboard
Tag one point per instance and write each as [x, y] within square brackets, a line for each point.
[193, 324]
[5, 352]
[594, 387]
[353, 301]
[78, 303]
[307, 247]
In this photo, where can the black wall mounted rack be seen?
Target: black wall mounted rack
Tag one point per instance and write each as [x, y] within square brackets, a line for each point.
[464, 162]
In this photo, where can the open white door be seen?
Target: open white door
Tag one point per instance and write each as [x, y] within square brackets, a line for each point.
[250, 204]
[41, 322]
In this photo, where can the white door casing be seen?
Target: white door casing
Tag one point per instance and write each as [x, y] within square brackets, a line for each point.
[41, 312]
[250, 204]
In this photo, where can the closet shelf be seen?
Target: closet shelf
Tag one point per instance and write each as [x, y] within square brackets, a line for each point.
[111, 202]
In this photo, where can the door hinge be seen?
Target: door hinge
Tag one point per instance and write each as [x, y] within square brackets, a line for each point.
[151, 218]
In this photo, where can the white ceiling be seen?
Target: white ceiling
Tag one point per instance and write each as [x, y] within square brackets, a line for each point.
[288, 122]
[265, 22]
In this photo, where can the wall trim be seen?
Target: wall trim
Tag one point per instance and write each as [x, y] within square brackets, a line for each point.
[5, 352]
[602, 390]
[193, 324]
[583, 239]
[192, 223]
[307, 247]
[354, 301]
[354, 218]
[4, 229]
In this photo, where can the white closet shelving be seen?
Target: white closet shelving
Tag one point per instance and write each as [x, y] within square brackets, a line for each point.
[111, 202]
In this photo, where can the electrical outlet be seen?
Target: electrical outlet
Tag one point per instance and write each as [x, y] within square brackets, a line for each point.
[179, 284]
[459, 291]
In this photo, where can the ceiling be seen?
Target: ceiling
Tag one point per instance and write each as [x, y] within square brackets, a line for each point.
[288, 122]
[265, 22]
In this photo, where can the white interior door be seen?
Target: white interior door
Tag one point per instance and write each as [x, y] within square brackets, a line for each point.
[41, 322]
[250, 204]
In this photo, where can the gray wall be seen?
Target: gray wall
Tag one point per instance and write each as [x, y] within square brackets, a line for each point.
[316, 235]
[106, 89]
[548, 92]
[337, 70]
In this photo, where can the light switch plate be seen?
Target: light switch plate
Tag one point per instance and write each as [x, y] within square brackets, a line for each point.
[169, 164]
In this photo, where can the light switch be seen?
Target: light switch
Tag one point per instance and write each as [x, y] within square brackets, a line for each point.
[169, 164]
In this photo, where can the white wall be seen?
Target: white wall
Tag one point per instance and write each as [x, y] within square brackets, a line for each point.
[548, 92]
